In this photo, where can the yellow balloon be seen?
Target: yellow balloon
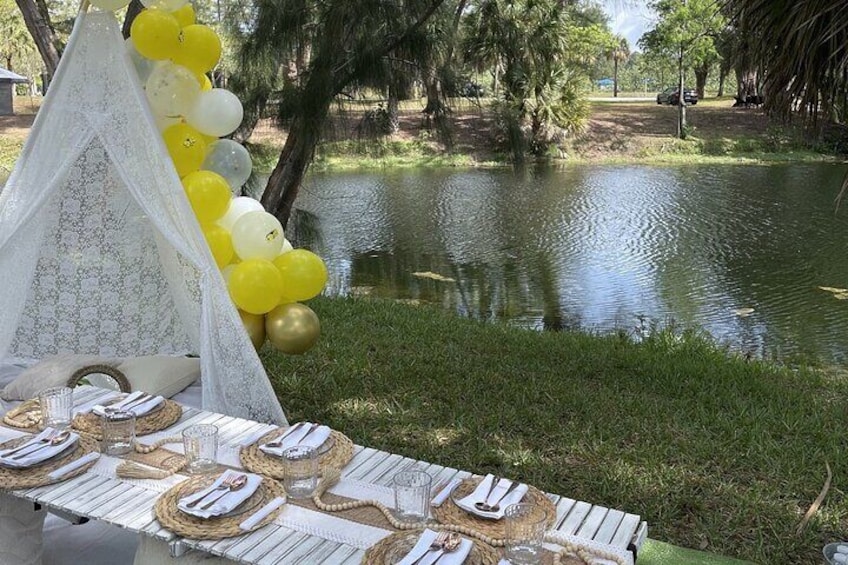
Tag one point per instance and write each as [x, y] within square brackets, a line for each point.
[156, 34]
[255, 286]
[219, 241]
[185, 15]
[199, 49]
[205, 83]
[209, 196]
[304, 274]
[186, 147]
[254, 324]
[292, 328]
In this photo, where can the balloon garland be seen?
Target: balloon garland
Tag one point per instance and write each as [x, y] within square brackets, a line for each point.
[266, 278]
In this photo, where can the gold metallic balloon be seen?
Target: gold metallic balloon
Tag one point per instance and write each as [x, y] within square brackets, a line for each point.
[292, 328]
[255, 326]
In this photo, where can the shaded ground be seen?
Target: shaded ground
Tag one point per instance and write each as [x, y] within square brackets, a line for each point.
[623, 128]
[615, 131]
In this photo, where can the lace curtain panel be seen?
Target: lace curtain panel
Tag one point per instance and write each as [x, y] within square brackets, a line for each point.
[99, 250]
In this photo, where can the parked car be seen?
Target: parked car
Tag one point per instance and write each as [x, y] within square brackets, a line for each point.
[671, 96]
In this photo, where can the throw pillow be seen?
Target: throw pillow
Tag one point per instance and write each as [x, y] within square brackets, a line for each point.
[160, 374]
[49, 372]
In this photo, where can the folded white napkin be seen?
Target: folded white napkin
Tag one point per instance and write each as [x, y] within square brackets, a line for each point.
[138, 409]
[479, 495]
[300, 434]
[422, 548]
[225, 503]
[260, 514]
[36, 451]
[446, 491]
[74, 465]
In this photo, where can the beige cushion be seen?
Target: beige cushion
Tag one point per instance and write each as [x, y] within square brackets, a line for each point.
[160, 374]
[50, 371]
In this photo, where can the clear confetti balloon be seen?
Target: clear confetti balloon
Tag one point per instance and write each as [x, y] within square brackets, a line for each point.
[230, 160]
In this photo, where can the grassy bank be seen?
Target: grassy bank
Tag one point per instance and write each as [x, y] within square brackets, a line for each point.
[716, 453]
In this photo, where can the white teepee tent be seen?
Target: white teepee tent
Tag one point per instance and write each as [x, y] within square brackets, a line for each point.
[99, 249]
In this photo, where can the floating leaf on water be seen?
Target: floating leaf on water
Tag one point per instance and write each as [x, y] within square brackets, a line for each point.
[834, 290]
[841, 296]
[436, 276]
[743, 312]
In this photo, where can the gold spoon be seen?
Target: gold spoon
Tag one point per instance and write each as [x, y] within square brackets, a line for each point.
[28, 444]
[496, 505]
[59, 438]
[236, 484]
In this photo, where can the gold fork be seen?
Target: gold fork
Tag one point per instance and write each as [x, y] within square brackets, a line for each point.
[437, 545]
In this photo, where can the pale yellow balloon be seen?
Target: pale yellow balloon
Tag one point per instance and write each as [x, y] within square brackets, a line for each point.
[292, 328]
[257, 235]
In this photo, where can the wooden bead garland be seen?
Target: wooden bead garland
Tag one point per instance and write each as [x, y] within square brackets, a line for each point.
[25, 415]
[332, 475]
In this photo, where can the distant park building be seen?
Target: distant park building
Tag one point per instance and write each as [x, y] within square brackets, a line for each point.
[7, 81]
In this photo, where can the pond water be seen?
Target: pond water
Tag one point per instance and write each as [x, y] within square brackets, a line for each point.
[739, 251]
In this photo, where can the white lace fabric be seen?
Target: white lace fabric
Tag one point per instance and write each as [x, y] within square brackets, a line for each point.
[100, 252]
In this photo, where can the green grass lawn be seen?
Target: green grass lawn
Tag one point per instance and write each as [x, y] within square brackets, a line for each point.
[716, 453]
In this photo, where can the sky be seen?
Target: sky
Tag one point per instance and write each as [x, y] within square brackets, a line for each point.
[630, 18]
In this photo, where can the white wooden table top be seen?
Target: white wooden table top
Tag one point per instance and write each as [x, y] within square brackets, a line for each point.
[98, 494]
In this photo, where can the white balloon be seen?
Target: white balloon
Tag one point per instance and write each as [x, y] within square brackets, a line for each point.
[110, 5]
[230, 160]
[171, 89]
[287, 246]
[167, 5]
[143, 65]
[239, 207]
[217, 112]
[164, 122]
[258, 235]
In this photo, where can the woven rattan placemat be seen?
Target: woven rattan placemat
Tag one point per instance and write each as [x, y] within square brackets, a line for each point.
[150, 423]
[39, 475]
[219, 527]
[450, 513]
[256, 461]
[393, 548]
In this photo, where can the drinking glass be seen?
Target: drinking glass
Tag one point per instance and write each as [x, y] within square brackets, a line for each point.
[118, 433]
[56, 404]
[300, 471]
[412, 495]
[200, 444]
[525, 529]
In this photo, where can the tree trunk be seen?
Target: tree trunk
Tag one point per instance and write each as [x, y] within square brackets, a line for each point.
[681, 99]
[303, 137]
[615, 77]
[701, 74]
[133, 10]
[42, 33]
[722, 76]
[297, 154]
[746, 83]
[393, 105]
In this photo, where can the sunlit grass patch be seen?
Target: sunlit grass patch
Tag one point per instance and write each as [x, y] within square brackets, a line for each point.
[714, 452]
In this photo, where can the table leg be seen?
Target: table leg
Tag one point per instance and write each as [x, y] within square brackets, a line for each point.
[21, 532]
[152, 551]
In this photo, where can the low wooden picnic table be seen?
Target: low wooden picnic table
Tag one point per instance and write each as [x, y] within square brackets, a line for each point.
[99, 494]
